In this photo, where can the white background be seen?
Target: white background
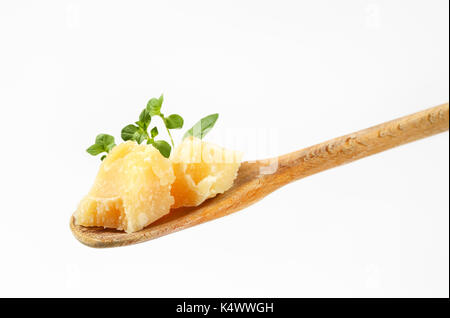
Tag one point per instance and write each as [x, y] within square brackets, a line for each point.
[304, 71]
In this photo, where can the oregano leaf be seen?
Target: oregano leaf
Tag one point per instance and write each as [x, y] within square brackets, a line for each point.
[174, 121]
[104, 140]
[144, 119]
[128, 132]
[154, 106]
[163, 147]
[95, 149]
[154, 132]
[202, 127]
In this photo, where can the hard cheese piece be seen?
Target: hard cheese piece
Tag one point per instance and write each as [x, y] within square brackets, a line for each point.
[132, 189]
[202, 171]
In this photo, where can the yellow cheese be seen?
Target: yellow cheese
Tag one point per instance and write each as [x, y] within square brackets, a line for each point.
[202, 170]
[132, 189]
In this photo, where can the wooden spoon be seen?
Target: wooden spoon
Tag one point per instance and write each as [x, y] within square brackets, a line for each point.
[257, 179]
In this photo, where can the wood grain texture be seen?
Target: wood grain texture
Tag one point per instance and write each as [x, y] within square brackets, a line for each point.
[257, 179]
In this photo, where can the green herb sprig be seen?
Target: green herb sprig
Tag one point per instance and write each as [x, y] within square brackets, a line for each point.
[173, 121]
[139, 130]
[103, 143]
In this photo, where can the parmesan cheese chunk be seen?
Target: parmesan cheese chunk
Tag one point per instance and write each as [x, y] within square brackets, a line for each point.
[202, 171]
[132, 189]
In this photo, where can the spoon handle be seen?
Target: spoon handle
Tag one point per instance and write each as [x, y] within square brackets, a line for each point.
[363, 143]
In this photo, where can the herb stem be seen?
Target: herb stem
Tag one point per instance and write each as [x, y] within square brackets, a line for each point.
[170, 135]
[167, 129]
